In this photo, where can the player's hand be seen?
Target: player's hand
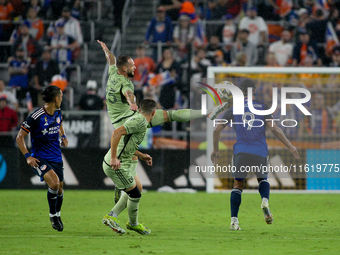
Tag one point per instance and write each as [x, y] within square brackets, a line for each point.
[215, 155]
[64, 142]
[33, 162]
[115, 163]
[294, 151]
[133, 107]
[147, 158]
[103, 45]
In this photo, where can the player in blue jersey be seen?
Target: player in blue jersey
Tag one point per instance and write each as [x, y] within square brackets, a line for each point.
[46, 128]
[250, 150]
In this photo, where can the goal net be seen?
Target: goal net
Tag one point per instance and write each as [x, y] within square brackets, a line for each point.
[316, 136]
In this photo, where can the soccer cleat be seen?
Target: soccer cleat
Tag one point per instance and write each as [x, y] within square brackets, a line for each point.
[139, 229]
[234, 225]
[112, 222]
[118, 193]
[268, 217]
[217, 110]
[56, 223]
[61, 223]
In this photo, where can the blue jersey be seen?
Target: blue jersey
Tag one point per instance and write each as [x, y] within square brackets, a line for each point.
[250, 138]
[44, 129]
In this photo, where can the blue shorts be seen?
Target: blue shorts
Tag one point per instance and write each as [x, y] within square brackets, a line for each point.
[45, 166]
[246, 163]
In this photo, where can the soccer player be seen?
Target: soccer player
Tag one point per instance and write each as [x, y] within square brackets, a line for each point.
[250, 149]
[125, 141]
[121, 103]
[45, 126]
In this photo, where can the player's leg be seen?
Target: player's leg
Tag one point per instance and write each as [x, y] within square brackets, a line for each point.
[53, 183]
[264, 190]
[185, 115]
[133, 206]
[60, 198]
[235, 202]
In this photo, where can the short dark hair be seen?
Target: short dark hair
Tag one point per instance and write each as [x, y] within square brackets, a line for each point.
[148, 106]
[122, 61]
[50, 93]
[247, 83]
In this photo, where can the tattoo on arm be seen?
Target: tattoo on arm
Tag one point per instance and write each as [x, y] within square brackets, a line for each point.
[130, 97]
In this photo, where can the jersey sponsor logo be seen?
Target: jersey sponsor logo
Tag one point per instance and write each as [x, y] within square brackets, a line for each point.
[43, 167]
[44, 131]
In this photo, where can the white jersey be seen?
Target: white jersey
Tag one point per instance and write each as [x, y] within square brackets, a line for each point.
[281, 51]
[73, 29]
[255, 26]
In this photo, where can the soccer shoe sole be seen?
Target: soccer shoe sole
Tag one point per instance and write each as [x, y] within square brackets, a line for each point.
[213, 115]
[268, 217]
[114, 226]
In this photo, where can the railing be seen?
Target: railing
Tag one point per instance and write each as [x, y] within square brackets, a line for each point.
[115, 48]
[128, 11]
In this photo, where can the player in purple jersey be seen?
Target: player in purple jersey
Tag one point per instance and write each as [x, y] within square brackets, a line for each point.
[250, 150]
[46, 128]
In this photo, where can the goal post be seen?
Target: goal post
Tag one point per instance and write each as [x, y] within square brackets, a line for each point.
[312, 142]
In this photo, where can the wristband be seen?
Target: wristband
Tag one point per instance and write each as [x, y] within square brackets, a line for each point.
[27, 155]
[63, 136]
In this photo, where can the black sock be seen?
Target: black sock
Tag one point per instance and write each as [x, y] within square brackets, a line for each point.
[52, 200]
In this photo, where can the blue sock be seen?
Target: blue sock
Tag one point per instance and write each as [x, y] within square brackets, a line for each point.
[60, 198]
[52, 200]
[235, 201]
[264, 189]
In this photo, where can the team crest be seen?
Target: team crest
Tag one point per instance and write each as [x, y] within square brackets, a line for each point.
[43, 167]
[58, 120]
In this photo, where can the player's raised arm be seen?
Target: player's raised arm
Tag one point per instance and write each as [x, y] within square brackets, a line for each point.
[281, 136]
[131, 99]
[115, 138]
[111, 59]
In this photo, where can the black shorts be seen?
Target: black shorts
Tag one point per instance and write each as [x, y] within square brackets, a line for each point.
[246, 162]
[45, 166]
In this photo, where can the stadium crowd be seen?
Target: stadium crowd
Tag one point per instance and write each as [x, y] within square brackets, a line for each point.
[183, 40]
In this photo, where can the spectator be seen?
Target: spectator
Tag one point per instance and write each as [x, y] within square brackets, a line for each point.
[213, 46]
[57, 6]
[282, 49]
[335, 19]
[61, 46]
[36, 24]
[244, 45]
[199, 64]
[160, 29]
[218, 9]
[90, 101]
[256, 26]
[241, 59]
[18, 71]
[144, 65]
[317, 27]
[335, 56]
[188, 8]
[321, 121]
[227, 32]
[31, 47]
[219, 58]
[268, 9]
[6, 13]
[8, 122]
[183, 35]
[76, 10]
[303, 17]
[167, 95]
[11, 98]
[171, 7]
[304, 47]
[310, 80]
[271, 60]
[36, 5]
[45, 69]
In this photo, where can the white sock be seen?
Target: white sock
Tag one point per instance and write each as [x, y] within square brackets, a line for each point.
[265, 200]
[234, 219]
[58, 214]
[52, 215]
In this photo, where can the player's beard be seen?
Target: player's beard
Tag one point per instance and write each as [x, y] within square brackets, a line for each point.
[130, 74]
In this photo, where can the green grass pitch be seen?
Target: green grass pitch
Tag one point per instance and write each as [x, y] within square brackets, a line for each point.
[180, 223]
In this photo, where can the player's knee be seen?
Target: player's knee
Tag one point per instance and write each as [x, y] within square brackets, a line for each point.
[134, 193]
[55, 185]
[238, 184]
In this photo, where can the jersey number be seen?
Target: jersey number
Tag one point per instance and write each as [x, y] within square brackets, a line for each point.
[251, 121]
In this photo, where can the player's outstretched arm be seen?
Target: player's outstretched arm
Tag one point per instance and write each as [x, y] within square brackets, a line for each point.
[215, 155]
[115, 138]
[111, 59]
[281, 136]
[131, 99]
[22, 146]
